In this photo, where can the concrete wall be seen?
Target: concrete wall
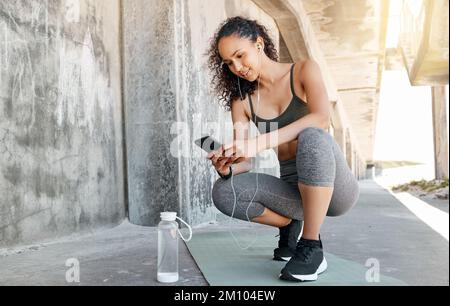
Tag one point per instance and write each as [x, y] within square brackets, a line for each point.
[169, 104]
[61, 143]
[61, 155]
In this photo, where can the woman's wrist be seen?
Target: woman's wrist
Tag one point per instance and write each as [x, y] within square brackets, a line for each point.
[226, 171]
[227, 174]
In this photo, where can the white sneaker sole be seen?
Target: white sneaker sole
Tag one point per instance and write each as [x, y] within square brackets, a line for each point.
[309, 277]
[279, 258]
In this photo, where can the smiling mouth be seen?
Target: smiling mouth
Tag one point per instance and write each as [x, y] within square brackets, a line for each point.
[245, 74]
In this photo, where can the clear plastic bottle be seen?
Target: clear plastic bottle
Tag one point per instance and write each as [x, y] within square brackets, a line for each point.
[168, 248]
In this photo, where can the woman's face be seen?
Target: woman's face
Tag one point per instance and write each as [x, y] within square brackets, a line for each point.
[242, 56]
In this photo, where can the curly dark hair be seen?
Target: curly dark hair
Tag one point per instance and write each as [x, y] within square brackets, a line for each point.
[224, 81]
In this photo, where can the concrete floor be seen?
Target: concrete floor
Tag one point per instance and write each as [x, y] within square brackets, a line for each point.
[378, 227]
[437, 203]
[122, 256]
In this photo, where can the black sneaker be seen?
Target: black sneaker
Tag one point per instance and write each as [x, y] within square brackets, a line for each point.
[288, 241]
[307, 263]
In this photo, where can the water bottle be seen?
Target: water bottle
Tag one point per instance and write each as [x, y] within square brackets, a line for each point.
[168, 247]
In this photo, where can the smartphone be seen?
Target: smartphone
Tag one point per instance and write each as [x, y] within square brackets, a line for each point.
[208, 143]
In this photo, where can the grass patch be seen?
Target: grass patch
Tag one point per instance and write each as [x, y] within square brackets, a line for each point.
[422, 185]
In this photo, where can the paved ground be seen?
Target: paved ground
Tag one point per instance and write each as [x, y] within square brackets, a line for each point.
[378, 227]
[437, 203]
[123, 256]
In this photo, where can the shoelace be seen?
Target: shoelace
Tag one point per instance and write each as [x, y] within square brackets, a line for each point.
[304, 250]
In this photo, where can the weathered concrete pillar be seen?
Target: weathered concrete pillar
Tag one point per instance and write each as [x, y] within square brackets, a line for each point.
[440, 133]
[349, 152]
[362, 169]
[370, 171]
[150, 103]
[339, 137]
[358, 169]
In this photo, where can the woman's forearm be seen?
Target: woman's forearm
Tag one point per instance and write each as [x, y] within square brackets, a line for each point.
[291, 131]
[242, 167]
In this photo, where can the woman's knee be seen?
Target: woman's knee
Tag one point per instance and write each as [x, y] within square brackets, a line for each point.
[219, 191]
[226, 203]
[311, 134]
[314, 141]
[219, 197]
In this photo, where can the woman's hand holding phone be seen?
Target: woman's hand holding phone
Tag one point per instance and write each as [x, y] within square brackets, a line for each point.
[217, 156]
[222, 163]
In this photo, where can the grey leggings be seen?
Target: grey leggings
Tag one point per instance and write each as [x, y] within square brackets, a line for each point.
[319, 162]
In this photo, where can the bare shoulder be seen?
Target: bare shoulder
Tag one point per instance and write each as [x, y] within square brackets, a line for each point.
[299, 78]
[307, 68]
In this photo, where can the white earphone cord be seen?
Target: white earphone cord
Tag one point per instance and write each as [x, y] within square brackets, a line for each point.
[257, 181]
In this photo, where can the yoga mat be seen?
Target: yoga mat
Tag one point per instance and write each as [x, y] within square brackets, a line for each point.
[223, 263]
